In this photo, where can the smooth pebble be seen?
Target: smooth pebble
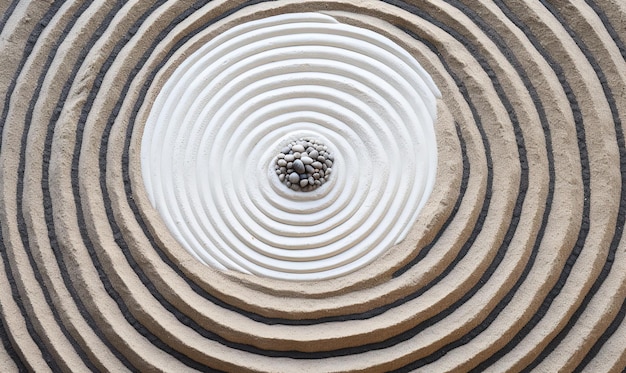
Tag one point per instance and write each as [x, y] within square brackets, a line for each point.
[298, 166]
[294, 177]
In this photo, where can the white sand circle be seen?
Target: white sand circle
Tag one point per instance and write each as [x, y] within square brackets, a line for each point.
[209, 146]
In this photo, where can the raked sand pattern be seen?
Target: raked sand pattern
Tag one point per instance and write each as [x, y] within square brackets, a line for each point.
[210, 147]
[516, 261]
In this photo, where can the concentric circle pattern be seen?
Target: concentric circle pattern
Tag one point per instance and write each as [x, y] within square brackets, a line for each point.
[516, 261]
[210, 140]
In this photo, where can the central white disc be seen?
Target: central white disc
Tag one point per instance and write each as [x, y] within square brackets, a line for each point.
[211, 141]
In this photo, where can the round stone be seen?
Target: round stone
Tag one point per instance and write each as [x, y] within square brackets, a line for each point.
[298, 166]
[294, 177]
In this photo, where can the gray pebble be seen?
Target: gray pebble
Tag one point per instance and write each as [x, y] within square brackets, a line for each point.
[321, 172]
[329, 163]
[282, 162]
[304, 182]
[280, 156]
[317, 182]
[313, 153]
[289, 157]
[306, 160]
[281, 177]
[297, 148]
[289, 165]
[286, 150]
[317, 165]
[298, 166]
[309, 169]
[311, 180]
[315, 176]
[296, 155]
[294, 177]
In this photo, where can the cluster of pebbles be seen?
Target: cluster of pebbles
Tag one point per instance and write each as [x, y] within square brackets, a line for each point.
[304, 164]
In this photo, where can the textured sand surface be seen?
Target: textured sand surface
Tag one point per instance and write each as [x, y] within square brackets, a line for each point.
[517, 262]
